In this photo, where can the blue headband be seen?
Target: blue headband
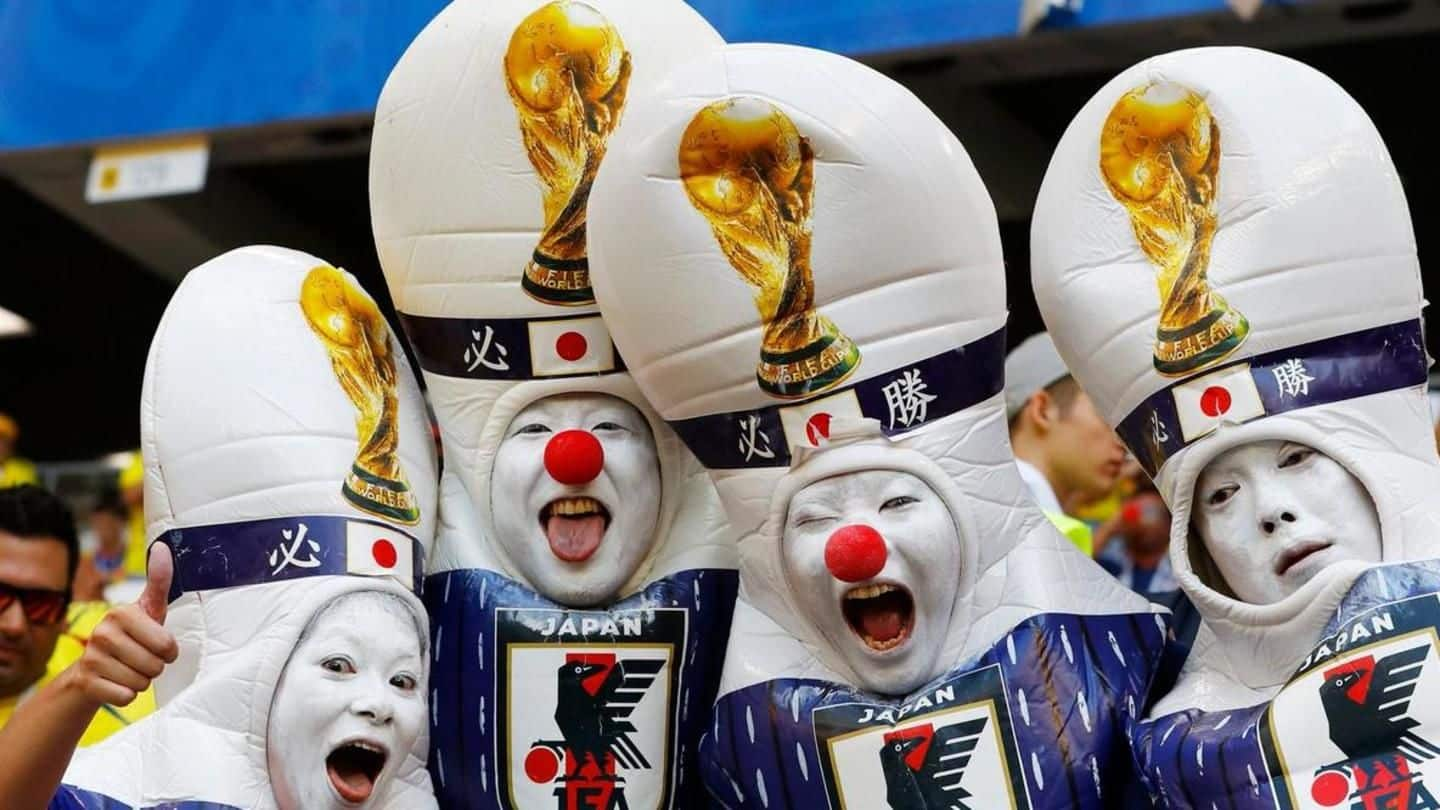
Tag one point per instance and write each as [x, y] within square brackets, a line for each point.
[512, 348]
[227, 555]
[901, 400]
[1371, 361]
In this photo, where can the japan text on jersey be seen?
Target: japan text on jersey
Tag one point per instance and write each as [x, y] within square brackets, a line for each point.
[1035, 722]
[1356, 728]
[538, 706]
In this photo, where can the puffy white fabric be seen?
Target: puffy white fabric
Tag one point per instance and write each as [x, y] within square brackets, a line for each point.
[244, 420]
[1314, 243]
[456, 209]
[907, 260]
[906, 257]
[459, 211]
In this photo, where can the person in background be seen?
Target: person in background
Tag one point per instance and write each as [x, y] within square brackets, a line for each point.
[1134, 544]
[41, 631]
[1068, 456]
[14, 470]
[105, 565]
[132, 492]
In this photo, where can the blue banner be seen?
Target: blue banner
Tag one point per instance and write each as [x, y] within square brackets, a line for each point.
[78, 71]
[255, 552]
[73, 798]
[900, 400]
[512, 348]
[1370, 361]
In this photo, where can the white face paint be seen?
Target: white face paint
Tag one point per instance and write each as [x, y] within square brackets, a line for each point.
[349, 707]
[579, 542]
[1274, 514]
[883, 599]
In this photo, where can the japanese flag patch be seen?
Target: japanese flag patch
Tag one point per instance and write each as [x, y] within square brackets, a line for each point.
[808, 424]
[570, 346]
[1227, 395]
[372, 550]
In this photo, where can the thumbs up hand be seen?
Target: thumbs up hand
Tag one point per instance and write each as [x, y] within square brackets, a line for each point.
[130, 646]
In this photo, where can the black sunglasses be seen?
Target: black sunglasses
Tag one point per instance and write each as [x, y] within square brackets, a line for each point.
[41, 605]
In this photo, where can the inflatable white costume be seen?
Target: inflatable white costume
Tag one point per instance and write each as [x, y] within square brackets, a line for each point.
[289, 468]
[912, 631]
[1275, 390]
[583, 583]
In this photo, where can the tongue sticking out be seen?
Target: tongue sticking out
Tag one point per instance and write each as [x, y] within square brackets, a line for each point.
[574, 539]
[353, 772]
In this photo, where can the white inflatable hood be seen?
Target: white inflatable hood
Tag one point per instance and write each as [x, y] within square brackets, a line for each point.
[899, 360]
[261, 474]
[485, 254]
[1278, 234]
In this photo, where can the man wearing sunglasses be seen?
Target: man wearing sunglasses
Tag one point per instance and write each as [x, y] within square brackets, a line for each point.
[41, 632]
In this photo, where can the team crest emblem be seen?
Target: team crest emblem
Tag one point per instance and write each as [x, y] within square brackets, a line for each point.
[1360, 730]
[589, 699]
[950, 748]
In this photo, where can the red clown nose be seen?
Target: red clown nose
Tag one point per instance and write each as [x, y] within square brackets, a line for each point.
[854, 553]
[574, 457]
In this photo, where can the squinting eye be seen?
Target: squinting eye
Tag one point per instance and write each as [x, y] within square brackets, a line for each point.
[338, 664]
[1221, 495]
[405, 682]
[609, 426]
[810, 520]
[1296, 456]
[534, 427]
[897, 502]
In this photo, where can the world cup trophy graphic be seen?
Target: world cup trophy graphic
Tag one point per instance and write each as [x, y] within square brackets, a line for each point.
[751, 174]
[1160, 157]
[567, 71]
[357, 339]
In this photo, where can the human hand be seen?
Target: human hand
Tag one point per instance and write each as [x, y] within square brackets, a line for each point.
[130, 647]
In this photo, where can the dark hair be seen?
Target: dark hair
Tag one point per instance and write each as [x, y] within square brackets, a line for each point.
[1063, 392]
[31, 512]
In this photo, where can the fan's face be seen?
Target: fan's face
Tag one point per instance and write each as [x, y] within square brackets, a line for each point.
[1274, 514]
[873, 560]
[350, 706]
[575, 495]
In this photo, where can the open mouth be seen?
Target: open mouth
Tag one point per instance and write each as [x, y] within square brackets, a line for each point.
[882, 615]
[1292, 557]
[574, 527]
[353, 767]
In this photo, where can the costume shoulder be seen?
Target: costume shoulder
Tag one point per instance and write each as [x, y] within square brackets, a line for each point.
[1358, 721]
[1037, 719]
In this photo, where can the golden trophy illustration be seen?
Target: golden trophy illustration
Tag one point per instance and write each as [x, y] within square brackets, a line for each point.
[567, 72]
[1160, 157]
[751, 174]
[358, 340]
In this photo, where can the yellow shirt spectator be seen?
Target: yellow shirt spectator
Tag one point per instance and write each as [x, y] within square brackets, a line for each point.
[17, 471]
[132, 490]
[80, 621]
[13, 471]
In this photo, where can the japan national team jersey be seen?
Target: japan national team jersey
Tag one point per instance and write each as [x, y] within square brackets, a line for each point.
[534, 705]
[1037, 721]
[1357, 727]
